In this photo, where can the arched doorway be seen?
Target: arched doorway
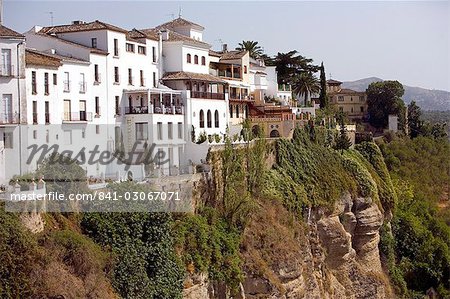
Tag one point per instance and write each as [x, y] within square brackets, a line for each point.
[274, 134]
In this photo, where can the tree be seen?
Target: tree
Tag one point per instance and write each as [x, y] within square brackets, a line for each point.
[290, 64]
[305, 84]
[414, 120]
[255, 51]
[383, 99]
[343, 142]
[323, 97]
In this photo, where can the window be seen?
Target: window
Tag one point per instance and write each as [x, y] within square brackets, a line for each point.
[97, 105]
[46, 89]
[188, 59]
[34, 134]
[159, 130]
[82, 83]
[170, 130]
[237, 111]
[116, 74]
[216, 119]
[130, 77]
[116, 47]
[35, 115]
[6, 68]
[96, 74]
[231, 111]
[203, 60]
[55, 79]
[208, 119]
[340, 98]
[141, 131]
[141, 50]
[67, 110]
[351, 99]
[117, 105]
[154, 79]
[196, 59]
[180, 130]
[97, 129]
[361, 98]
[361, 109]
[154, 54]
[141, 72]
[94, 42]
[129, 47]
[47, 112]
[8, 140]
[245, 69]
[351, 110]
[33, 82]
[66, 82]
[202, 119]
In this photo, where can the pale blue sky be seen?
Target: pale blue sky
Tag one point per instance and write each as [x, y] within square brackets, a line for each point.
[407, 41]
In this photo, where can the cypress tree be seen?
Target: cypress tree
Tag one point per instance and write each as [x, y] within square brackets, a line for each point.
[323, 97]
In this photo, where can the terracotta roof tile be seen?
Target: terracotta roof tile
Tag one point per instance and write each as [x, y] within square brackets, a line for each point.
[6, 32]
[331, 81]
[347, 91]
[214, 53]
[37, 58]
[191, 76]
[57, 56]
[95, 25]
[180, 22]
[151, 33]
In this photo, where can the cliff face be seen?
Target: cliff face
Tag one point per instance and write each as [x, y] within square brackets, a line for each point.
[327, 252]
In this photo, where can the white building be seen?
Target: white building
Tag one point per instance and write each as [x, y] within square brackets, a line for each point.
[280, 92]
[12, 93]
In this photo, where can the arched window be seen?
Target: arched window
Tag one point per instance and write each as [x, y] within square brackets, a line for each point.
[202, 119]
[209, 119]
[237, 111]
[189, 58]
[216, 119]
[203, 60]
[196, 59]
[231, 111]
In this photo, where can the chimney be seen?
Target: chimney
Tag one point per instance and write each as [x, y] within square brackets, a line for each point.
[165, 34]
[77, 22]
[224, 48]
[1, 12]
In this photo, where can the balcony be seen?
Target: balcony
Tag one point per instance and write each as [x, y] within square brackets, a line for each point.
[207, 95]
[7, 70]
[77, 116]
[229, 74]
[82, 87]
[284, 87]
[66, 86]
[154, 109]
[9, 118]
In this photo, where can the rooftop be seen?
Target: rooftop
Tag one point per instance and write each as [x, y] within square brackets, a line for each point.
[331, 81]
[144, 33]
[92, 50]
[180, 22]
[77, 26]
[33, 57]
[6, 32]
[191, 76]
[348, 91]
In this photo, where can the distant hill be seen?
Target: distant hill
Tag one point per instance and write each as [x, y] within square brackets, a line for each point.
[427, 99]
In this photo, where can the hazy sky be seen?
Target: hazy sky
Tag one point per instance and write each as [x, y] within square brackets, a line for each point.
[407, 41]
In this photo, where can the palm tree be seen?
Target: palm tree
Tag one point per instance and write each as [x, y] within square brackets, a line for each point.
[255, 51]
[305, 83]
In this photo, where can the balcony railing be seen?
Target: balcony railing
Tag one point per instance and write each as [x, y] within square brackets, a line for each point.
[9, 118]
[284, 87]
[77, 116]
[207, 95]
[156, 109]
[66, 86]
[228, 74]
[7, 70]
[82, 87]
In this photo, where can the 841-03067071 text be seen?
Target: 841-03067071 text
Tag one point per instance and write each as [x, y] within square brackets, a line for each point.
[131, 195]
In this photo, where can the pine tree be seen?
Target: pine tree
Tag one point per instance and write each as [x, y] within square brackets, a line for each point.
[343, 142]
[323, 97]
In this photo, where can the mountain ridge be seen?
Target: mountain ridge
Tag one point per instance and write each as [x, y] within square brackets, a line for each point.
[427, 99]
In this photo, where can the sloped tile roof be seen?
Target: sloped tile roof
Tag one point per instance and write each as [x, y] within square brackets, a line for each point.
[38, 58]
[347, 91]
[135, 35]
[331, 81]
[180, 22]
[191, 76]
[231, 55]
[92, 50]
[56, 56]
[95, 25]
[6, 32]
[151, 33]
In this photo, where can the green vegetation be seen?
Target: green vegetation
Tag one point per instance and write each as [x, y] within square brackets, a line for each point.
[255, 50]
[417, 252]
[383, 99]
[323, 97]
